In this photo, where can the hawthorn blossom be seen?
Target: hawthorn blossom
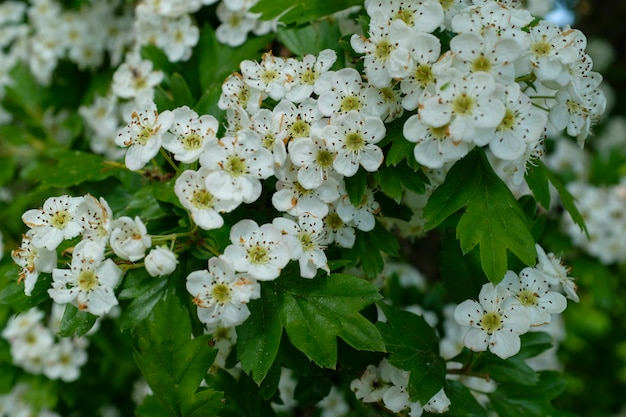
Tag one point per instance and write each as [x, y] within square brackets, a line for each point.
[313, 160]
[135, 77]
[272, 75]
[237, 164]
[336, 230]
[353, 138]
[94, 217]
[205, 208]
[221, 294]
[556, 273]
[89, 283]
[237, 93]
[495, 322]
[304, 239]
[306, 72]
[54, 222]
[344, 90]
[532, 292]
[160, 261]
[143, 135]
[268, 126]
[361, 215]
[189, 135]
[129, 238]
[552, 50]
[258, 250]
[33, 261]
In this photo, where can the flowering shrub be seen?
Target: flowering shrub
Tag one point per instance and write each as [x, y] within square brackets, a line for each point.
[236, 199]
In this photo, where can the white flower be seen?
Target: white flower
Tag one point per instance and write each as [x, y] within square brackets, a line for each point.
[134, 77]
[353, 138]
[304, 239]
[334, 404]
[269, 129]
[337, 231]
[177, 38]
[314, 161]
[438, 403]
[272, 75]
[189, 135]
[54, 222]
[143, 135]
[236, 93]
[556, 273]
[205, 208]
[259, 251]
[293, 198]
[221, 295]
[369, 388]
[306, 73]
[344, 90]
[160, 261]
[94, 216]
[551, 51]
[362, 215]
[33, 261]
[467, 106]
[532, 292]
[297, 122]
[89, 282]
[238, 163]
[522, 125]
[64, 360]
[129, 238]
[235, 24]
[495, 322]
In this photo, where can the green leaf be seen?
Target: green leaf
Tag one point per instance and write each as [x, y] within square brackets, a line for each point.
[513, 369]
[312, 38]
[537, 180]
[462, 402]
[151, 407]
[493, 219]
[534, 343]
[567, 199]
[181, 94]
[300, 11]
[76, 322]
[515, 400]
[217, 61]
[355, 186]
[314, 313]
[13, 293]
[368, 247]
[258, 338]
[145, 291]
[390, 182]
[461, 274]
[414, 347]
[76, 167]
[399, 151]
[173, 363]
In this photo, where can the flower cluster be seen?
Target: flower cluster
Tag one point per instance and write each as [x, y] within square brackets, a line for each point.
[36, 349]
[603, 209]
[388, 385]
[15, 403]
[504, 78]
[509, 309]
[90, 282]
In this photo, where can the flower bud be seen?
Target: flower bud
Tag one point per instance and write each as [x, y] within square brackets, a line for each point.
[160, 261]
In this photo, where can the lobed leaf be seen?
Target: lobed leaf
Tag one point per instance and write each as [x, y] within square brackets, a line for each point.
[492, 220]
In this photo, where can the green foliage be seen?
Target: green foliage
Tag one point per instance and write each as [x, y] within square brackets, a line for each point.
[313, 313]
[76, 322]
[492, 219]
[300, 11]
[174, 364]
[414, 347]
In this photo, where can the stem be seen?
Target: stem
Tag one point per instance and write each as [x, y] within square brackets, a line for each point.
[167, 157]
[548, 97]
[467, 372]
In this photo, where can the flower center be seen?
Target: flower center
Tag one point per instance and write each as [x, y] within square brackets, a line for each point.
[491, 322]
[446, 4]
[87, 280]
[350, 103]
[424, 75]
[234, 20]
[324, 159]
[307, 241]
[258, 255]
[309, 76]
[407, 16]
[60, 219]
[202, 199]
[354, 141]
[541, 48]
[268, 141]
[333, 221]
[439, 133]
[527, 298]
[383, 49]
[192, 141]
[299, 129]
[508, 121]
[221, 293]
[144, 135]
[463, 105]
[235, 166]
[300, 189]
[269, 75]
[482, 63]
[243, 96]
